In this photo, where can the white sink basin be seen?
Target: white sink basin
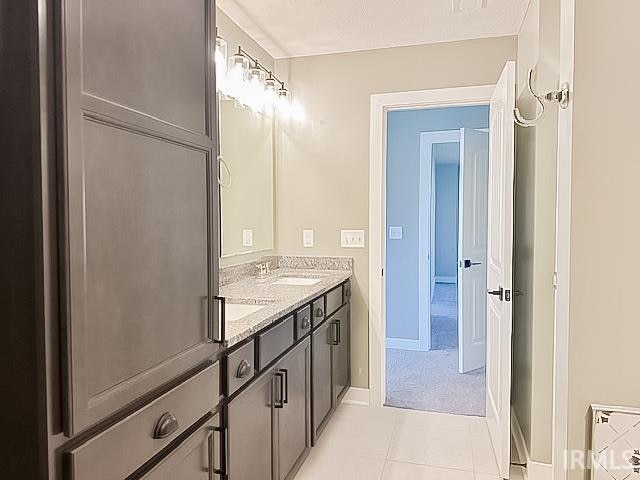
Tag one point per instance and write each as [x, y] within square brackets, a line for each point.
[300, 281]
[236, 311]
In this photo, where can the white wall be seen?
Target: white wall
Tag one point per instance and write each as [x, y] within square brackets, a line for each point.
[323, 169]
[605, 229]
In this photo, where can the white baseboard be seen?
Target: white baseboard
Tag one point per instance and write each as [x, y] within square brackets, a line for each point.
[442, 279]
[357, 396]
[534, 470]
[403, 344]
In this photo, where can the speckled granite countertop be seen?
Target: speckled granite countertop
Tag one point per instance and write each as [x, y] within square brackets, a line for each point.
[278, 300]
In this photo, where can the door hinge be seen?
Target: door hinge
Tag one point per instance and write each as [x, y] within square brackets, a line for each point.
[383, 272]
[555, 280]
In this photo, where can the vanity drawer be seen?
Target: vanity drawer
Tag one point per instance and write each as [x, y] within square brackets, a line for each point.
[121, 449]
[303, 322]
[318, 311]
[334, 300]
[240, 367]
[275, 341]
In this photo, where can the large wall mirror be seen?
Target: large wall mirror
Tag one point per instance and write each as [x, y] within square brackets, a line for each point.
[246, 177]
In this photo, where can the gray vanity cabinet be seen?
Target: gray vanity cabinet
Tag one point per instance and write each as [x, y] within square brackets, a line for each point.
[251, 430]
[270, 422]
[331, 366]
[139, 220]
[294, 418]
[196, 458]
[341, 356]
[322, 377]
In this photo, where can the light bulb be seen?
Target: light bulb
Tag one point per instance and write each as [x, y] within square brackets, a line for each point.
[256, 88]
[236, 81]
[271, 87]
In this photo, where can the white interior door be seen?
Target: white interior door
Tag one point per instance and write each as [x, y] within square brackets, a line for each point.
[472, 250]
[499, 265]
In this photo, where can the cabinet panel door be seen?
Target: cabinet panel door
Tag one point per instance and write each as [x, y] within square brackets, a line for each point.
[251, 431]
[139, 223]
[341, 353]
[322, 383]
[197, 458]
[294, 418]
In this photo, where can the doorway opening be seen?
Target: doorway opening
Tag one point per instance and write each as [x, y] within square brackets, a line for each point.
[436, 242]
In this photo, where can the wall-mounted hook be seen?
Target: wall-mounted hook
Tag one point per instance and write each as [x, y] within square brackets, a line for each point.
[561, 96]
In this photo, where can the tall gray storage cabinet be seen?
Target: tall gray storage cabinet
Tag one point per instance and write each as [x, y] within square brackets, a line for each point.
[124, 209]
[140, 211]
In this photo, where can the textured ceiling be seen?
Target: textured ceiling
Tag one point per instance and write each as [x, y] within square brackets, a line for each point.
[291, 28]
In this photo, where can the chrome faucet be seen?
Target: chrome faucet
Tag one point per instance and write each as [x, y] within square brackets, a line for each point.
[263, 270]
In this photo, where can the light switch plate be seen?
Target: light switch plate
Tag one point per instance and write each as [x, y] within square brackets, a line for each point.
[247, 238]
[307, 238]
[395, 233]
[352, 238]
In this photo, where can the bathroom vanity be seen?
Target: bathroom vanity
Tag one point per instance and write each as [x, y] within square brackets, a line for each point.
[286, 368]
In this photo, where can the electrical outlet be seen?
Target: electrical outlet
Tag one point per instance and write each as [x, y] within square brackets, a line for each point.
[395, 233]
[352, 238]
[307, 238]
[247, 238]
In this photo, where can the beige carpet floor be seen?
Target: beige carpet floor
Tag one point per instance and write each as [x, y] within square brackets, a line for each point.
[430, 381]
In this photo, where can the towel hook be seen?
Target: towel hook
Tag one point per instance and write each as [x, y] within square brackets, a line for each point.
[561, 96]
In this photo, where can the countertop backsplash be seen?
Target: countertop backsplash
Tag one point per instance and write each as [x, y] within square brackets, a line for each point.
[234, 273]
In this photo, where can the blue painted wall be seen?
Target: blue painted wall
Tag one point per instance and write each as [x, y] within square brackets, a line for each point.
[403, 180]
[446, 221]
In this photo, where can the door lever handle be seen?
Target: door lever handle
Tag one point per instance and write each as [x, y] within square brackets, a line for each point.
[498, 293]
[469, 263]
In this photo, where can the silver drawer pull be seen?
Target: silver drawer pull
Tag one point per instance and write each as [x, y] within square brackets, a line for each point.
[244, 369]
[305, 323]
[319, 312]
[167, 425]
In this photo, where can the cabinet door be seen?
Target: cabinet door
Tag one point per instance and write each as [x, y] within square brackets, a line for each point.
[341, 351]
[197, 458]
[251, 417]
[294, 418]
[139, 181]
[321, 366]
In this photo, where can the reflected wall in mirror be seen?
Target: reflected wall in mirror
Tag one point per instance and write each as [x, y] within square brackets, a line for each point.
[247, 161]
[246, 177]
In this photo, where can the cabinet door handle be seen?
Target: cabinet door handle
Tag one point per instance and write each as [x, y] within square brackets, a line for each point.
[212, 470]
[335, 332]
[319, 312]
[244, 369]
[285, 398]
[338, 331]
[278, 400]
[166, 425]
[217, 329]
[305, 323]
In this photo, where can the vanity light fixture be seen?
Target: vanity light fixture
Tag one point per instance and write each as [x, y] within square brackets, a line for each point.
[244, 79]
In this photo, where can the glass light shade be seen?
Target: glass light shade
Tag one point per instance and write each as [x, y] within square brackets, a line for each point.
[256, 94]
[236, 81]
[221, 63]
[271, 87]
[284, 103]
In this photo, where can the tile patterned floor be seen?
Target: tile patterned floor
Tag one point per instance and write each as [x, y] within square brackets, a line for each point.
[363, 443]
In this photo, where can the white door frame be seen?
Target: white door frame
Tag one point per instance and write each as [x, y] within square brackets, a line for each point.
[426, 222]
[563, 249]
[380, 105]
